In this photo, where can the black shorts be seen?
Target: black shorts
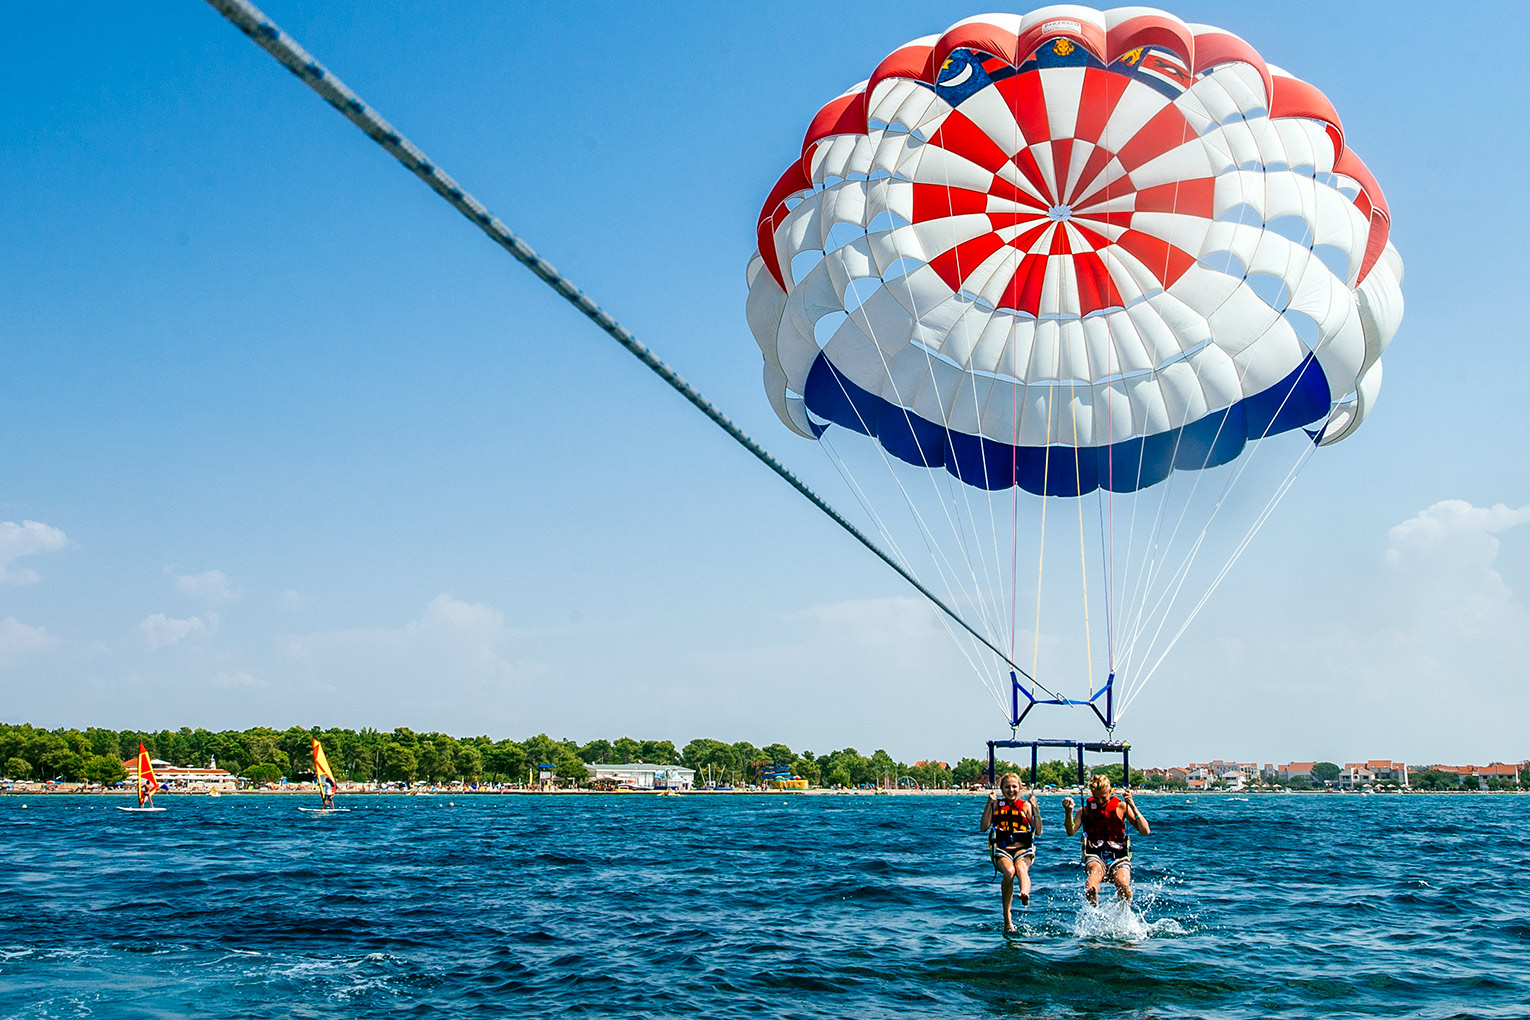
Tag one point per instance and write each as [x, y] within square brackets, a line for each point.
[1110, 855]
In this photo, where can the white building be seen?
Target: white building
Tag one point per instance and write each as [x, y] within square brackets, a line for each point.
[642, 776]
[182, 777]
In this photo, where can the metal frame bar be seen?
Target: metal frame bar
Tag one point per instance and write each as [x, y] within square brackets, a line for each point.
[1107, 719]
[1077, 746]
[1108, 692]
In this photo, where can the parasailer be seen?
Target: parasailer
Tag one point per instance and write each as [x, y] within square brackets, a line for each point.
[1106, 845]
[1093, 257]
[1013, 822]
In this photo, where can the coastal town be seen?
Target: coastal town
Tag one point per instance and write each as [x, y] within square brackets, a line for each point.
[1216, 776]
[1375, 774]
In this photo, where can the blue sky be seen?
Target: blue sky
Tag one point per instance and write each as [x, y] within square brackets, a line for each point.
[301, 446]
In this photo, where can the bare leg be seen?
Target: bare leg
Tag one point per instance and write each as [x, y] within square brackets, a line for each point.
[1007, 869]
[1023, 866]
[1095, 873]
[1122, 877]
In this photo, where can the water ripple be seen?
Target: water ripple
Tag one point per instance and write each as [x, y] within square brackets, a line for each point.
[790, 907]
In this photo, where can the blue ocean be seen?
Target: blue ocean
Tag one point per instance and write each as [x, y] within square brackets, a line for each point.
[757, 906]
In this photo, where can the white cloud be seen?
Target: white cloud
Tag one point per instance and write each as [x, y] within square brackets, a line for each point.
[1444, 558]
[292, 601]
[163, 631]
[212, 585]
[18, 639]
[25, 539]
[452, 643]
[1416, 657]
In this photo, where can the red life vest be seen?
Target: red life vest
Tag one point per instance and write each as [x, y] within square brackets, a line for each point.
[1012, 816]
[1102, 826]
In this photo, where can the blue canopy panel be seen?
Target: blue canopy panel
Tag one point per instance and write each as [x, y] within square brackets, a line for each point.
[1299, 399]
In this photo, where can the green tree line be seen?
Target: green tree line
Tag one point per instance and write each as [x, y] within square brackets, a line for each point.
[263, 754]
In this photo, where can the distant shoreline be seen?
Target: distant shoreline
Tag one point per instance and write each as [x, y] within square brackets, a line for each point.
[814, 792]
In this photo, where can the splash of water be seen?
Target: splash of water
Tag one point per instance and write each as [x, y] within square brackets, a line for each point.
[1124, 920]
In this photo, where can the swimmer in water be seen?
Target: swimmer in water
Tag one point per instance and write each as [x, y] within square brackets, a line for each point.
[1013, 825]
[1107, 847]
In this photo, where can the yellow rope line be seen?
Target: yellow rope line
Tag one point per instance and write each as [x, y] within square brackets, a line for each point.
[1083, 560]
[1041, 556]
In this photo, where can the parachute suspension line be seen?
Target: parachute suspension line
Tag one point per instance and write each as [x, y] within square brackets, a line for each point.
[269, 37]
[1237, 553]
[988, 607]
[983, 673]
[1083, 559]
[1110, 555]
[937, 554]
[993, 609]
[1046, 491]
[1101, 502]
[1015, 413]
[1178, 577]
[843, 467]
[1014, 512]
[1149, 568]
[1243, 544]
[1181, 573]
[949, 574]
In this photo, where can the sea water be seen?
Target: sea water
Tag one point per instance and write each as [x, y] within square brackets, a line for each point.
[761, 906]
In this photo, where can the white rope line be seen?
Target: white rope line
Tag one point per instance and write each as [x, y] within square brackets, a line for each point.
[985, 674]
[1244, 463]
[1264, 516]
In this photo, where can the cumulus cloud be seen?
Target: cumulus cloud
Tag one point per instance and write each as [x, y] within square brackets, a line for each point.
[163, 631]
[1412, 657]
[1446, 554]
[18, 639]
[25, 539]
[451, 641]
[212, 585]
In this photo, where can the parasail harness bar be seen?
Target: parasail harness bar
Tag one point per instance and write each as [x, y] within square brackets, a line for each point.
[1107, 692]
[1107, 718]
[253, 22]
[1078, 746]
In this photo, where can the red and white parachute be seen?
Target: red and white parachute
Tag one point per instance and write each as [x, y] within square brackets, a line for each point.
[1075, 252]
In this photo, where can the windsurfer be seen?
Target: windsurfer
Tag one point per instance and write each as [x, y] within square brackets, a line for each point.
[1013, 825]
[1107, 847]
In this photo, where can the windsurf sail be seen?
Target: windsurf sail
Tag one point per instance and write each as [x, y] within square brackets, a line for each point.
[147, 784]
[321, 771]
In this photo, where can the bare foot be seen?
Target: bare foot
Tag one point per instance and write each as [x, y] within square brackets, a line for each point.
[1025, 899]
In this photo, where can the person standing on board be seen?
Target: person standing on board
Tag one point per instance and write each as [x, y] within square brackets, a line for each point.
[1107, 847]
[1013, 825]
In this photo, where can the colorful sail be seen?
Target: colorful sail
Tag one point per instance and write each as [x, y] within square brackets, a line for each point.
[147, 784]
[322, 772]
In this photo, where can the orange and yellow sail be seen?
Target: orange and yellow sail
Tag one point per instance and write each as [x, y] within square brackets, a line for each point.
[322, 772]
[147, 784]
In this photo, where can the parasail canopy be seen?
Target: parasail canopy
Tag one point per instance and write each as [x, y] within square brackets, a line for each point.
[1071, 252]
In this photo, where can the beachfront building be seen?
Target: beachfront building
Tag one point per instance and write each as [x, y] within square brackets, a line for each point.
[1372, 773]
[180, 777]
[1294, 770]
[1233, 780]
[1498, 770]
[1481, 773]
[1218, 768]
[643, 776]
[1356, 776]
